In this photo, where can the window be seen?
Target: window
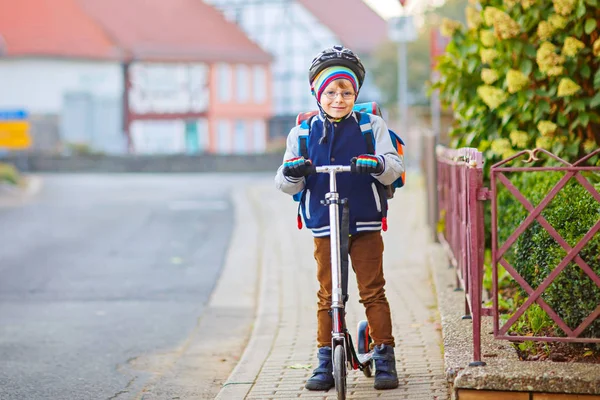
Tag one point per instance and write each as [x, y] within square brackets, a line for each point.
[260, 84]
[203, 136]
[260, 137]
[224, 137]
[224, 82]
[239, 143]
[242, 83]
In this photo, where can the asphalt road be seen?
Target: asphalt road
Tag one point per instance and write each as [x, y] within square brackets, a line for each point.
[98, 270]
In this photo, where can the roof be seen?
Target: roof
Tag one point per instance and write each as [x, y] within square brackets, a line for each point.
[57, 28]
[173, 29]
[355, 23]
[147, 30]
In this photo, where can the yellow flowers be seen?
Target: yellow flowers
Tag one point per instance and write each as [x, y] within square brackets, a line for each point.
[516, 80]
[566, 87]
[546, 128]
[589, 145]
[564, 7]
[519, 139]
[557, 21]
[487, 38]
[572, 47]
[449, 26]
[473, 18]
[596, 48]
[548, 61]
[504, 26]
[491, 96]
[528, 3]
[524, 3]
[489, 15]
[544, 143]
[489, 76]
[545, 30]
[502, 147]
[488, 55]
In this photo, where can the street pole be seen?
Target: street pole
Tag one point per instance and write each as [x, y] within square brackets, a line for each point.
[436, 110]
[403, 89]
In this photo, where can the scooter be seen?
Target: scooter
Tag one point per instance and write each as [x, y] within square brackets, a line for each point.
[344, 355]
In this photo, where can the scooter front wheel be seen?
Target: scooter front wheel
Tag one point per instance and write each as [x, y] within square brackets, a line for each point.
[339, 371]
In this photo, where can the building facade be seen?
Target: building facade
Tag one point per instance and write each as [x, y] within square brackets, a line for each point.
[294, 31]
[100, 75]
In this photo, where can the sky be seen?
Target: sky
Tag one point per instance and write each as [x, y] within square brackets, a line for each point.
[392, 8]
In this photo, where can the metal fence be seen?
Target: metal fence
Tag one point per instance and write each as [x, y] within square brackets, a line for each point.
[459, 190]
[498, 178]
[460, 196]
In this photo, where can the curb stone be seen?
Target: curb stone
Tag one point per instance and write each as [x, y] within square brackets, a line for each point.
[504, 371]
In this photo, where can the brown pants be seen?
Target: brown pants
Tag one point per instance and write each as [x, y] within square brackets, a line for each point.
[366, 253]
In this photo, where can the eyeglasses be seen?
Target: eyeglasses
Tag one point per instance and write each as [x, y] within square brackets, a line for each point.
[346, 94]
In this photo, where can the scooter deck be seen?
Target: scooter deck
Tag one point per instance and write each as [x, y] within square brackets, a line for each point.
[365, 358]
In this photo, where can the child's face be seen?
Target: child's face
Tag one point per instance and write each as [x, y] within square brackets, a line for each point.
[338, 98]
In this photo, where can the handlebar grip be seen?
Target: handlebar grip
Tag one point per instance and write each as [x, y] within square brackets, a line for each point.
[311, 169]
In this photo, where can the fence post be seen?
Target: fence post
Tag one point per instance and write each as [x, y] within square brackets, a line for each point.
[475, 237]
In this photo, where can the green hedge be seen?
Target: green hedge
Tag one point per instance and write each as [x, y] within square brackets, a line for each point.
[535, 254]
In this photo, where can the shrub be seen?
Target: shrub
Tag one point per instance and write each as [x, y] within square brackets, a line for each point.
[535, 254]
[9, 174]
[524, 74]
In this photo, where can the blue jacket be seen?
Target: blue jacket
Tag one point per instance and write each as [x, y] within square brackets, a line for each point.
[344, 141]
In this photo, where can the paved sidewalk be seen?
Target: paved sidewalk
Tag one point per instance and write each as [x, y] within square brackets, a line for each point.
[282, 351]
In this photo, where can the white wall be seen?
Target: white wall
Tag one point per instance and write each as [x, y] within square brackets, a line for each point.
[39, 85]
[168, 88]
[293, 36]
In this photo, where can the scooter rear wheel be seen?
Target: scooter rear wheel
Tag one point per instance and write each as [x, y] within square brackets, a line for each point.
[364, 342]
[339, 371]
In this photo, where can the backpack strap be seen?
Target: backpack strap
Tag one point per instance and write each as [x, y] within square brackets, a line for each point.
[367, 130]
[303, 134]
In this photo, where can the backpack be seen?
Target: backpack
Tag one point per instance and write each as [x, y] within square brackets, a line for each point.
[362, 111]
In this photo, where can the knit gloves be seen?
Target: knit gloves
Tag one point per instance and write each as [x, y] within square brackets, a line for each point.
[367, 164]
[297, 167]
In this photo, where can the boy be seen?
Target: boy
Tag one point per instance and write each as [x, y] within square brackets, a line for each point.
[335, 138]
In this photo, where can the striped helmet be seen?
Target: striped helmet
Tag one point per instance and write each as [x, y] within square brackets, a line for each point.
[337, 56]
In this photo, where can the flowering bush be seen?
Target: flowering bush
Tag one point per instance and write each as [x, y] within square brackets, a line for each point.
[524, 74]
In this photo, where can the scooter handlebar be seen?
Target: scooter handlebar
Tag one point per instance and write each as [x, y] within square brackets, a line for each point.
[326, 169]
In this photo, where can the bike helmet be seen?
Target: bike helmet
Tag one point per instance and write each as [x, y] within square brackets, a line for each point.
[337, 55]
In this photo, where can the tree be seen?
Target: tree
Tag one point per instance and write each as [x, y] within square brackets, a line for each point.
[385, 59]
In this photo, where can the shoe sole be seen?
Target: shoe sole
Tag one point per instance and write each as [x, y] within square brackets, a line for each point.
[385, 385]
[317, 386]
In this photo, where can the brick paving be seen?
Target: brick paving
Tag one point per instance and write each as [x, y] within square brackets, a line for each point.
[290, 301]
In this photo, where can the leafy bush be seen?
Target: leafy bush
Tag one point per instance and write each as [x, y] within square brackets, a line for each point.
[524, 74]
[9, 174]
[535, 254]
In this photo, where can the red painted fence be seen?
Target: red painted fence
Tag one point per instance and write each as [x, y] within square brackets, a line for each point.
[460, 189]
[460, 193]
